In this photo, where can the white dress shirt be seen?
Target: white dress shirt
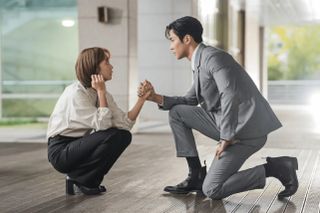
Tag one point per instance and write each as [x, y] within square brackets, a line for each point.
[76, 113]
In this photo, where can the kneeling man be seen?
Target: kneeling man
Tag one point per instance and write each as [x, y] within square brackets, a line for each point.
[232, 111]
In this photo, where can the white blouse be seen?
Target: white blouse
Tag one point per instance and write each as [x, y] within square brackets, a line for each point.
[76, 113]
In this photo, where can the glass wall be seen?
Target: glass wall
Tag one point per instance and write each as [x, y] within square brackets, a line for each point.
[38, 49]
[293, 64]
[223, 23]
[210, 15]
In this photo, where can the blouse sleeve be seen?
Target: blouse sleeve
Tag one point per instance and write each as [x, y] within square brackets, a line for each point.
[119, 118]
[84, 114]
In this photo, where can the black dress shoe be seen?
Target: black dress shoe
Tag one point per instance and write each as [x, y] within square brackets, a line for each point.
[193, 183]
[284, 169]
[72, 187]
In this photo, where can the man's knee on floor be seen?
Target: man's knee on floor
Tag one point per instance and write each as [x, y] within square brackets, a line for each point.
[212, 190]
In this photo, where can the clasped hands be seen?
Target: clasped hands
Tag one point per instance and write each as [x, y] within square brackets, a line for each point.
[146, 90]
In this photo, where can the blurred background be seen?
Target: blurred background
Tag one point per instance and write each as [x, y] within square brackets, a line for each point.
[278, 43]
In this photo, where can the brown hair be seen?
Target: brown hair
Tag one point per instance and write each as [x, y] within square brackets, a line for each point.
[88, 64]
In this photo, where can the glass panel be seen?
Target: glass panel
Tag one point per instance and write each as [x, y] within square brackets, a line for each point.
[293, 64]
[39, 46]
[28, 107]
[209, 16]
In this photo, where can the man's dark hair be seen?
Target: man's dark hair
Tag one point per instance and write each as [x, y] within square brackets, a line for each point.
[186, 26]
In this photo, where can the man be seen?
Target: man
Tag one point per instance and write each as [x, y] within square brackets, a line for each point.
[232, 111]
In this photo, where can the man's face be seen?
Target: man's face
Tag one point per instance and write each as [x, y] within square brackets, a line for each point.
[178, 48]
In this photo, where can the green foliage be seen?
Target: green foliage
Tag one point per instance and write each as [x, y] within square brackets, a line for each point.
[294, 53]
[27, 108]
[17, 121]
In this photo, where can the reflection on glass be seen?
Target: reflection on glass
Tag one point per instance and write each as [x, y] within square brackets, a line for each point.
[314, 105]
[293, 63]
[210, 18]
[39, 45]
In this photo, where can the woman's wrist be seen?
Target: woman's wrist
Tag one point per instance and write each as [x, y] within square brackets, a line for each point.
[102, 98]
[141, 99]
[101, 92]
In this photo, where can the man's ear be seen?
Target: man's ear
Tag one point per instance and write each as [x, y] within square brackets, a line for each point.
[187, 39]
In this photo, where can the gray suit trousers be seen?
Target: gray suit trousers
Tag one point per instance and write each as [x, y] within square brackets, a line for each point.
[223, 177]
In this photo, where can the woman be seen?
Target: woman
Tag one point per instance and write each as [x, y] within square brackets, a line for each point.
[87, 131]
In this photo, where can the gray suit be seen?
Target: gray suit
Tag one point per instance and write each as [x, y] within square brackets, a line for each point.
[232, 108]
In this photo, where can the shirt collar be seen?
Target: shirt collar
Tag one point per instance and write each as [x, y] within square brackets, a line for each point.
[193, 57]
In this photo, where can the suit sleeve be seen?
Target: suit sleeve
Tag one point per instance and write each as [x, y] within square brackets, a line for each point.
[220, 66]
[189, 99]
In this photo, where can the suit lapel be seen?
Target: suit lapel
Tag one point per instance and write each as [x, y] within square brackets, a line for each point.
[196, 71]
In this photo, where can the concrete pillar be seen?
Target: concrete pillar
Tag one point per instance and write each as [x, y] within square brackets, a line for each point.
[263, 62]
[155, 61]
[252, 50]
[119, 35]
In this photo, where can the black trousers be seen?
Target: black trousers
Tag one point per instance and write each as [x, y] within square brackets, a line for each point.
[87, 159]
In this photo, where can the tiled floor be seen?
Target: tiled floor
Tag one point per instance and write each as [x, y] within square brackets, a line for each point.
[29, 184]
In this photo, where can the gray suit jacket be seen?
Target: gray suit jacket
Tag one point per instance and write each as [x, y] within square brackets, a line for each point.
[225, 90]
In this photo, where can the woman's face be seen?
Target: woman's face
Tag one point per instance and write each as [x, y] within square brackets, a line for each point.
[106, 69]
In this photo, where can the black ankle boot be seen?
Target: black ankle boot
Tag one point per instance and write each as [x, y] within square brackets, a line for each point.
[72, 187]
[193, 183]
[284, 169]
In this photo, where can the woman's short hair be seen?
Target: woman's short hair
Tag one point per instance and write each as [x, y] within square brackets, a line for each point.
[186, 26]
[88, 64]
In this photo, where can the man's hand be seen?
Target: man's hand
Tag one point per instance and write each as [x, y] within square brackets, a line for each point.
[223, 144]
[146, 90]
[145, 94]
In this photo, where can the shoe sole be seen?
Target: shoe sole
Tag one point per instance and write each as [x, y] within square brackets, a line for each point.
[181, 192]
[288, 195]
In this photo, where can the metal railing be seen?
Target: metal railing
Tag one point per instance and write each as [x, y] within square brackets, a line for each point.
[60, 84]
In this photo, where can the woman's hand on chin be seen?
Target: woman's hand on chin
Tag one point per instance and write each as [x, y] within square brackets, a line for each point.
[98, 83]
